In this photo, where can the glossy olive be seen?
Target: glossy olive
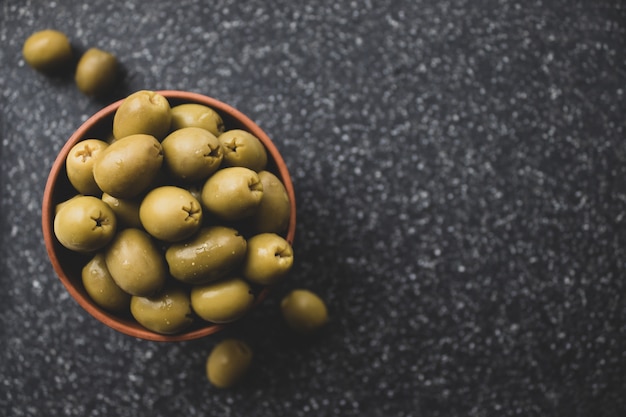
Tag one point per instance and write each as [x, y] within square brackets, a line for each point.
[79, 165]
[146, 112]
[243, 149]
[223, 301]
[268, 259]
[84, 224]
[213, 253]
[128, 166]
[232, 193]
[47, 50]
[170, 213]
[304, 311]
[135, 263]
[228, 363]
[272, 215]
[192, 154]
[167, 312]
[101, 288]
[96, 72]
[126, 210]
[197, 115]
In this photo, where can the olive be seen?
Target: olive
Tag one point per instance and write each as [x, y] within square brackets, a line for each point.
[243, 149]
[96, 72]
[167, 312]
[192, 154]
[304, 311]
[170, 213]
[272, 215]
[213, 253]
[135, 263]
[101, 288]
[145, 112]
[197, 115]
[47, 50]
[228, 362]
[126, 210]
[79, 165]
[232, 193]
[222, 301]
[128, 166]
[84, 224]
[268, 259]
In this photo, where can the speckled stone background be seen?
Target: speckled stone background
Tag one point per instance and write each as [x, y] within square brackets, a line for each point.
[459, 168]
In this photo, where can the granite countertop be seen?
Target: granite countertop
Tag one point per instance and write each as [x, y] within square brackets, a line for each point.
[459, 170]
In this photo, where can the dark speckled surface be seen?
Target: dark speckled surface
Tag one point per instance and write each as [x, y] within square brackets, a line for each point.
[459, 167]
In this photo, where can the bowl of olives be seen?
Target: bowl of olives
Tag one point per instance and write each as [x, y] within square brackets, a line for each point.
[168, 215]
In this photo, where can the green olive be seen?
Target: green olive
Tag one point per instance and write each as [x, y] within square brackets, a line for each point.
[228, 363]
[167, 312]
[135, 263]
[243, 149]
[145, 112]
[126, 210]
[192, 154]
[304, 311]
[79, 165]
[268, 259]
[96, 72]
[213, 253]
[101, 288]
[47, 50]
[272, 215]
[232, 193]
[128, 166]
[84, 224]
[222, 301]
[170, 213]
[197, 115]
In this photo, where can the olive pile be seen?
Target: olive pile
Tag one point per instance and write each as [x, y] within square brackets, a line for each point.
[179, 217]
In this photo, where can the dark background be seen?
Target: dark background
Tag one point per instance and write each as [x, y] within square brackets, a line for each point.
[459, 168]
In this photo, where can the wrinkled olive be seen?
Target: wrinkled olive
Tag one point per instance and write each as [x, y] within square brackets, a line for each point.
[143, 112]
[84, 224]
[192, 154]
[135, 263]
[268, 259]
[167, 312]
[243, 149]
[211, 254]
[222, 301]
[128, 166]
[96, 72]
[272, 215]
[197, 115]
[304, 311]
[170, 213]
[79, 165]
[101, 288]
[232, 193]
[47, 50]
[228, 362]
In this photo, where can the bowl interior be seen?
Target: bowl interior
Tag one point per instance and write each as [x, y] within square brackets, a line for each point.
[68, 264]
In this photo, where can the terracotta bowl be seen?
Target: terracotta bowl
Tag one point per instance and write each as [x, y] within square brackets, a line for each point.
[68, 264]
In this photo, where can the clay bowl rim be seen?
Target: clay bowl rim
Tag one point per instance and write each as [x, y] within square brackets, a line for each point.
[54, 249]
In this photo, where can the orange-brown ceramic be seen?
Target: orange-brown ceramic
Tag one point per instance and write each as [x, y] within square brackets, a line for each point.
[68, 265]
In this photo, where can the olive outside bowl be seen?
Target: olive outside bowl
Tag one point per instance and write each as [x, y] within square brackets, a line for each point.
[68, 265]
